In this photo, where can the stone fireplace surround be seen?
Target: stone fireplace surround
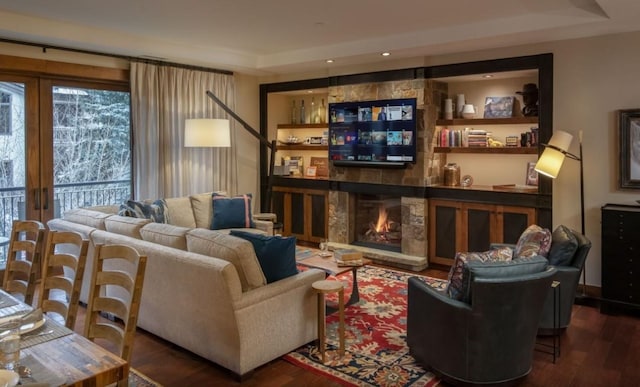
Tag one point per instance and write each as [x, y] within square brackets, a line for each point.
[408, 183]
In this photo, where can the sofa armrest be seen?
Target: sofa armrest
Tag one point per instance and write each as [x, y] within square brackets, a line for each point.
[270, 216]
[264, 225]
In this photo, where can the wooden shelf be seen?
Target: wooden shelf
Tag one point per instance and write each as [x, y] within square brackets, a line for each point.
[489, 121]
[304, 147]
[488, 150]
[303, 126]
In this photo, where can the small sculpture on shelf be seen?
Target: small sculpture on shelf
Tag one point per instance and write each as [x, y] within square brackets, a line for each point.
[530, 99]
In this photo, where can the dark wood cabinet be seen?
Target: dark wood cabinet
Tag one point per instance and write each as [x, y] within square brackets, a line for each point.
[620, 257]
[462, 226]
[303, 212]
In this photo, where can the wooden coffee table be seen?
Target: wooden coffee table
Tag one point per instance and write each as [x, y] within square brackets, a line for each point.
[329, 265]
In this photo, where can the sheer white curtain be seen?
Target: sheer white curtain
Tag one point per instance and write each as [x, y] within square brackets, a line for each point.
[162, 98]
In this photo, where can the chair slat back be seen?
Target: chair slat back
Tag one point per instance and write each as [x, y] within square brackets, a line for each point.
[23, 259]
[65, 257]
[108, 274]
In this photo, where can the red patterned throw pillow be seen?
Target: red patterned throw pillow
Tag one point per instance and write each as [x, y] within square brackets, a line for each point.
[535, 240]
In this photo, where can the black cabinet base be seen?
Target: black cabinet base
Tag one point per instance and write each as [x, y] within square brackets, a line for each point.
[586, 300]
[614, 307]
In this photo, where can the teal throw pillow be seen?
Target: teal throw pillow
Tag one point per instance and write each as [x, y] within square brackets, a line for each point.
[234, 212]
[156, 211]
[276, 254]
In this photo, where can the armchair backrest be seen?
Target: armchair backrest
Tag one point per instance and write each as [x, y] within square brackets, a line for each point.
[584, 245]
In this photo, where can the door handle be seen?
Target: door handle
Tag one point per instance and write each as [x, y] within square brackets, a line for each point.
[45, 192]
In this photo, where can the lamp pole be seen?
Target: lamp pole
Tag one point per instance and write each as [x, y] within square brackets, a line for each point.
[584, 268]
[266, 203]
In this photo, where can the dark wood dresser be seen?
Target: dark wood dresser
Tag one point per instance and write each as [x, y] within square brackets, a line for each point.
[620, 258]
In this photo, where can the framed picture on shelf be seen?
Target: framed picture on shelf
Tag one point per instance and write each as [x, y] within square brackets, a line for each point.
[311, 171]
[532, 174]
[321, 164]
[629, 129]
[498, 107]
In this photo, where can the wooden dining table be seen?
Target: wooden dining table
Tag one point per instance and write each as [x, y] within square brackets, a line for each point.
[57, 356]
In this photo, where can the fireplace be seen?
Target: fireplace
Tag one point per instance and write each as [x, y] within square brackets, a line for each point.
[378, 222]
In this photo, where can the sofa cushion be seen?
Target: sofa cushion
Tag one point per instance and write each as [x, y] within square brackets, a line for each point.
[125, 225]
[201, 207]
[563, 246]
[499, 269]
[455, 286]
[87, 217]
[180, 212]
[229, 248]
[234, 212]
[535, 240]
[156, 211]
[165, 234]
[276, 254]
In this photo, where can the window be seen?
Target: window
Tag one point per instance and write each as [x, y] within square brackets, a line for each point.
[5, 113]
[6, 173]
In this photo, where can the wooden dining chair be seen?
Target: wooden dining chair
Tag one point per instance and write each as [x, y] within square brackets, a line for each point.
[64, 259]
[116, 288]
[23, 259]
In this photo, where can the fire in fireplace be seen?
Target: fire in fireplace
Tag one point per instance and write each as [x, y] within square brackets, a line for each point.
[378, 222]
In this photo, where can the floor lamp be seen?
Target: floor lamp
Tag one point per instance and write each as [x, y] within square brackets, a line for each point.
[549, 164]
[271, 145]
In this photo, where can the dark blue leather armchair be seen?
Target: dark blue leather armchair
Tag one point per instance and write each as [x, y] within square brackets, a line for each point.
[487, 341]
[568, 274]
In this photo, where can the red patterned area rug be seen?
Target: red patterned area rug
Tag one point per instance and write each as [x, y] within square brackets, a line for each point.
[376, 348]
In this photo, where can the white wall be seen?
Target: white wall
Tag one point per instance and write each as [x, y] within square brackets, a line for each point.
[593, 78]
[248, 108]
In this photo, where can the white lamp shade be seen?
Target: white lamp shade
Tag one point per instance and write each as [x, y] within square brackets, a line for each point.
[207, 133]
[550, 162]
[561, 140]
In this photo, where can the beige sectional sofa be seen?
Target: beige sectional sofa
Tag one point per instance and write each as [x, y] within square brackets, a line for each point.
[204, 290]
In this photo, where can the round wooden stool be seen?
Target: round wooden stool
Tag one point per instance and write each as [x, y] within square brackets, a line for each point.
[322, 288]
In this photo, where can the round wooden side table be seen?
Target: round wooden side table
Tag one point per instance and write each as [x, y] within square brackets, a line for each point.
[322, 288]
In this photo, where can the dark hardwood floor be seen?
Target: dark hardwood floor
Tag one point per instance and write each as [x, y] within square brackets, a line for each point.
[596, 350]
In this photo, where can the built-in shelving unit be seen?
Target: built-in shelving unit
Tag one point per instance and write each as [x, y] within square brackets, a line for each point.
[488, 121]
[488, 150]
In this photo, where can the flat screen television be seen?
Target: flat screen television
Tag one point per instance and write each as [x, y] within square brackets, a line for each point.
[379, 133]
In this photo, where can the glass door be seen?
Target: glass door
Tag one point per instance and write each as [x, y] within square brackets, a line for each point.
[18, 138]
[63, 145]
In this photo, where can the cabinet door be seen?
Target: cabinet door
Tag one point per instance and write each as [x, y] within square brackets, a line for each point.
[445, 231]
[479, 222]
[511, 221]
[303, 213]
[296, 216]
[315, 216]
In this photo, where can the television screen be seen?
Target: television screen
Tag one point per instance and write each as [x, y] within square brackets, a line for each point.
[381, 132]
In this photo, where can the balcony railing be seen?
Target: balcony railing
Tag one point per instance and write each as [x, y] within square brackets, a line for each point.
[65, 197]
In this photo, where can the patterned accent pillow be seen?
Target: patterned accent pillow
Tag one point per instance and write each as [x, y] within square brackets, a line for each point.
[535, 240]
[232, 212]
[156, 211]
[455, 285]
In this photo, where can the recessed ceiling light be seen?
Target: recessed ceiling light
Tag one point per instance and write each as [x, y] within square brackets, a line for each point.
[385, 54]
[487, 76]
[329, 60]
[310, 91]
